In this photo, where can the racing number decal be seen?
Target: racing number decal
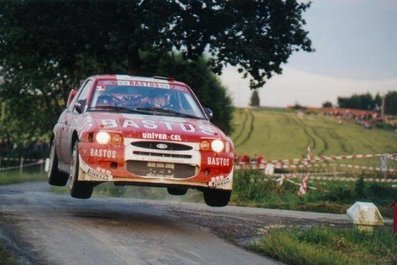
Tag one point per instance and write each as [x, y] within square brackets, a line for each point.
[160, 169]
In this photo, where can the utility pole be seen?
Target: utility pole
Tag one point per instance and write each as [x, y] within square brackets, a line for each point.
[382, 109]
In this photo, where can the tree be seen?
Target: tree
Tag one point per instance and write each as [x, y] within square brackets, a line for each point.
[255, 100]
[364, 101]
[391, 103]
[257, 36]
[327, 104]
[48, 46]
[368, 102]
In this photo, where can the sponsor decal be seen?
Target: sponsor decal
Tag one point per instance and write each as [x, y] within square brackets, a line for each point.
[130, 123]
[180, 88]
[158, 124]
[175, 137]
[219, 181]
[123, 83]
[161, 136]
[138, 83]
[218, 161]
[103, 153]
[143, 83]
[109, 123]
[148, 84]
[155, 136]
[100, 173]
[107, 82]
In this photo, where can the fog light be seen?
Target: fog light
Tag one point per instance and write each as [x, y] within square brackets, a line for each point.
[204, 145]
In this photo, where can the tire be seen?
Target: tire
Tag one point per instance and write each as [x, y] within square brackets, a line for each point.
[217, 198]
[177, 191]
[78, 189]
[55, 177]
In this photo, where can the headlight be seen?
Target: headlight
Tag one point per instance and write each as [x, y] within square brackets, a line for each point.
[103, 138]
[217, 146]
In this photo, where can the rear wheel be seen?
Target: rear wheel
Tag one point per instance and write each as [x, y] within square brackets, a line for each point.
[55, 177]
[78, 189]
[177, 191]
[217, 198]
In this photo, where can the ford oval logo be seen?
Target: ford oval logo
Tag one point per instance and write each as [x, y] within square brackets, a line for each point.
[161, 146]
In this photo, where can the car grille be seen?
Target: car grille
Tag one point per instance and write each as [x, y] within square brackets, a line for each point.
[140, 153]
[161, 169]
[162, 146]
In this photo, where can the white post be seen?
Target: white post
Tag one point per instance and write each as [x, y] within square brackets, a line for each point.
[21, 166]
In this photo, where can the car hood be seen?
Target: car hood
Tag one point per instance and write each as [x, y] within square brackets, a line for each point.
[151, 127]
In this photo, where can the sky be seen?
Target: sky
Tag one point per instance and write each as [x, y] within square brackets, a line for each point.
[356, 53]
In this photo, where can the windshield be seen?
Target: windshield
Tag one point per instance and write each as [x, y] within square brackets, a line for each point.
[152, 98]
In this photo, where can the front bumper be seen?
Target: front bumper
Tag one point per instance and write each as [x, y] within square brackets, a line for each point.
[150, 162]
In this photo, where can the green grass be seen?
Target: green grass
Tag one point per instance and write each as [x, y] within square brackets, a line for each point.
[254, 188]
[329, 246]
[6, 258]
[12, 177]
[285, 134]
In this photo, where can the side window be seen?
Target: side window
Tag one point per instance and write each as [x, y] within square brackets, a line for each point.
[81, 97]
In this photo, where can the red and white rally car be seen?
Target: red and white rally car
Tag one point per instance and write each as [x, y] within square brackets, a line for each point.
[140, 131]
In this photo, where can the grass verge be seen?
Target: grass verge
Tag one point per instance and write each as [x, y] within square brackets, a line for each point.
[254, 188]
[6, 258]
[329, 246]
[13, 177]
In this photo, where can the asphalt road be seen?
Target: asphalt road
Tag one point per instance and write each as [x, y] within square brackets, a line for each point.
[45, 228]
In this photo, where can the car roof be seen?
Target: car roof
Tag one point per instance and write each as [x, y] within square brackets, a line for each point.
[158, 79]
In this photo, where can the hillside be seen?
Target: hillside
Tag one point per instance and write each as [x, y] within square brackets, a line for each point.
[285, 134]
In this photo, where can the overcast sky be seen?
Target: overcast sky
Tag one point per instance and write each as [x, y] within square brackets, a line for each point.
[356, 53]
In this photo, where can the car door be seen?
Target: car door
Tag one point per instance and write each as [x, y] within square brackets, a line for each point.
[70, 119]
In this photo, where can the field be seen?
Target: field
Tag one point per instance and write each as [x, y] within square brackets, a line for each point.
[285, 134]
[280, 134]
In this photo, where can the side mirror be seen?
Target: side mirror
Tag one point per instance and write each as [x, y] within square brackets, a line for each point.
[80, 106]
[209, 113]
[71, 96]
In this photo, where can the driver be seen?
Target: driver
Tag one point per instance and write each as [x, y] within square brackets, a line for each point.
[159, 100]
[104, 101]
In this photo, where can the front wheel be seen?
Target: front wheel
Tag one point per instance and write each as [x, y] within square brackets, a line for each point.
[78, 189]
[217, 198]
[55, 177]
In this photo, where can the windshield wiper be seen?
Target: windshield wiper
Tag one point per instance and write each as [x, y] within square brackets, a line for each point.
[120, 109]
[168, 111]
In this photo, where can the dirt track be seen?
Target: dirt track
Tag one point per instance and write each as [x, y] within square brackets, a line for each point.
[46, 228]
